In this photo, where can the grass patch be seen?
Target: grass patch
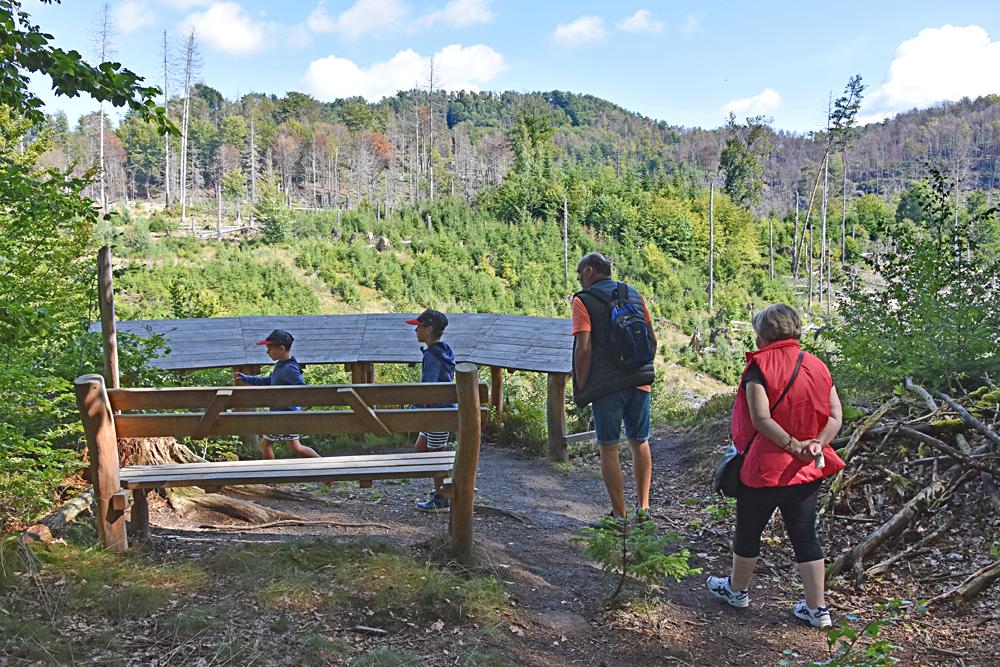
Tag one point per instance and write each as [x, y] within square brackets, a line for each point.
[388, 657]
[326, 574]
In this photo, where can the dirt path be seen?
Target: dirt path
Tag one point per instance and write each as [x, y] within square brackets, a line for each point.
[559, 596]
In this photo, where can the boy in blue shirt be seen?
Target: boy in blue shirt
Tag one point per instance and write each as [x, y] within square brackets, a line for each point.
[286, 371]
[438, 365]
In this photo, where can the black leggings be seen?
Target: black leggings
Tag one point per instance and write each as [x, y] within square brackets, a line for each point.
[798, 510]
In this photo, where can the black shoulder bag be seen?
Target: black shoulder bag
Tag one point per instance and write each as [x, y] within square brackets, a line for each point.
[726, 479]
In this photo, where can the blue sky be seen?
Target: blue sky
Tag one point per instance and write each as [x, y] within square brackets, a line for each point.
[687, 63]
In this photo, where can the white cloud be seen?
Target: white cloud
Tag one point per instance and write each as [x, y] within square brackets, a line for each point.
[362, 17]
[691, 24]
[641, 21]
[945, 63]
[582, 30]
[186, 4]
[456, 67]
[132, 15]
[765, 101]
[224, 27]
[461, 13]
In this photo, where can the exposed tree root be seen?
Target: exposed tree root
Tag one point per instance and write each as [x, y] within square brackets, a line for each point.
[294, 522]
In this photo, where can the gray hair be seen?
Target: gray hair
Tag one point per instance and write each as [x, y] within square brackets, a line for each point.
[598, 262]
[777, 322]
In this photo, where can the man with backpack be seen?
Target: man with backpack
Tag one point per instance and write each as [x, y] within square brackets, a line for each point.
[613, 352]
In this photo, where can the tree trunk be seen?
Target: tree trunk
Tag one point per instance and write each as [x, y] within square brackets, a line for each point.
[711, 246]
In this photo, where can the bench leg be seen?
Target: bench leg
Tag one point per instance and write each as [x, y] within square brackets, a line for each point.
[466, 459]
[140, 515]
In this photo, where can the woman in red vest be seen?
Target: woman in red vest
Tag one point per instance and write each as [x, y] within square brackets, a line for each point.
[785, 415]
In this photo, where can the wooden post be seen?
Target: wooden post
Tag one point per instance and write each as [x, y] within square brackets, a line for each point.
[555, 416]
[140, 515]
[466, 459]
[496, 394]
[99, 427]
[106, 301]
[370, 372]
[358, 373]
[251, 440]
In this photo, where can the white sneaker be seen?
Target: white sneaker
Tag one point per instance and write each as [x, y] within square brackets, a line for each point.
[719, 587]
[818, 617]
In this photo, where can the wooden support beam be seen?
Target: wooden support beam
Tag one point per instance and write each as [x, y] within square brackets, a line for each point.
[211, 413]
[362, 409]
[370, 372]
[496, 395]
[251, 440]
[585, 436]
[358, 373]
[140, 514]
[119, 501]
[466, 459]
[102, 442]
[555, 416]
[106, 301]
[365, 483]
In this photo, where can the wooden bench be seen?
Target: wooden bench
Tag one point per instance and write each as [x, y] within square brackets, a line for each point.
[109, 414]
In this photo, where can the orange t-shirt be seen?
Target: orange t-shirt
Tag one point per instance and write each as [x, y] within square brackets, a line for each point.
[581, 322]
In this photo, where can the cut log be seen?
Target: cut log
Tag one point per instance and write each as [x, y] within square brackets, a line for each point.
[49, 528]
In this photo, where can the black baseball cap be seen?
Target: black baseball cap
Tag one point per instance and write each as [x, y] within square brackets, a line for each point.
[278, 337]
[431, 318]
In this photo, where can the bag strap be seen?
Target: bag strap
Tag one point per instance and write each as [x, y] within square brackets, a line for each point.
[798, 365]
[788, 386]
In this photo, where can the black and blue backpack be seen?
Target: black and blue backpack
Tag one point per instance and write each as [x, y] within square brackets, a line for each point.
[629, 336]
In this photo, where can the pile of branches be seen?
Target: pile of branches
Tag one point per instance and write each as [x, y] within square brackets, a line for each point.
[921, 460]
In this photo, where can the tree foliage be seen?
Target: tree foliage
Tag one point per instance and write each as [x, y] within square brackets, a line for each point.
[742, 161]
[934, 313]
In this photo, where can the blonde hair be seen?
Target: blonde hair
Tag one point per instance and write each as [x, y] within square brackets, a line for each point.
[777, 322]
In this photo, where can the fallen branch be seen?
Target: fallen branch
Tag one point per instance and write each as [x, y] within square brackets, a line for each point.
[948, 449]
[922, 393]
[881, 432]
[488, 509]
[864, 426]
[293, 522]
[974, 584]
[49, 528]
[927, 539]
[853, 558]
[969, 419]
[989, 484]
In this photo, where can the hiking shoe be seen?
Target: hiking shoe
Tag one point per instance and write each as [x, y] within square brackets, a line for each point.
[434, 503]
[620, 525]
[719, 587]
[642, 515]
[818, 617]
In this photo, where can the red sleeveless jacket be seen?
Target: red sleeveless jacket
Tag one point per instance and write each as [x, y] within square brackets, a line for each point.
[803, 413]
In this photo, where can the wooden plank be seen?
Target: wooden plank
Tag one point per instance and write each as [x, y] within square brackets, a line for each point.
[174, 398]
[211, 413]
[585, 436]
[277, 469]
[234, 423]
[555, 417]
[374, 459]
[319, 475]
[470, 417]
[106, 304]
[99, 427]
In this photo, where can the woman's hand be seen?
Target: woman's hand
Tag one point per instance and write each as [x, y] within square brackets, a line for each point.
[803, 451]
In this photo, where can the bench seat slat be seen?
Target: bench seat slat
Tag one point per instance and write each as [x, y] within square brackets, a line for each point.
[271, 463]
[279, 466]
[302, 475]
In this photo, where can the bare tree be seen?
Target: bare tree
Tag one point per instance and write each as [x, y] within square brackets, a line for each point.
[167, 73]
[430, 128]
[192, 62]
[103, 36]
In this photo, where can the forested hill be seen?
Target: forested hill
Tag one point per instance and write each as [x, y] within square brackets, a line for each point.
[409, 147]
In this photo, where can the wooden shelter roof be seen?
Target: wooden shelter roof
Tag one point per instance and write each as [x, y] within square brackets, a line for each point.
[517, 342]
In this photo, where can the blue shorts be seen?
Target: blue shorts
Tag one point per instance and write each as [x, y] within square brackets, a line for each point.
[628, 405]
